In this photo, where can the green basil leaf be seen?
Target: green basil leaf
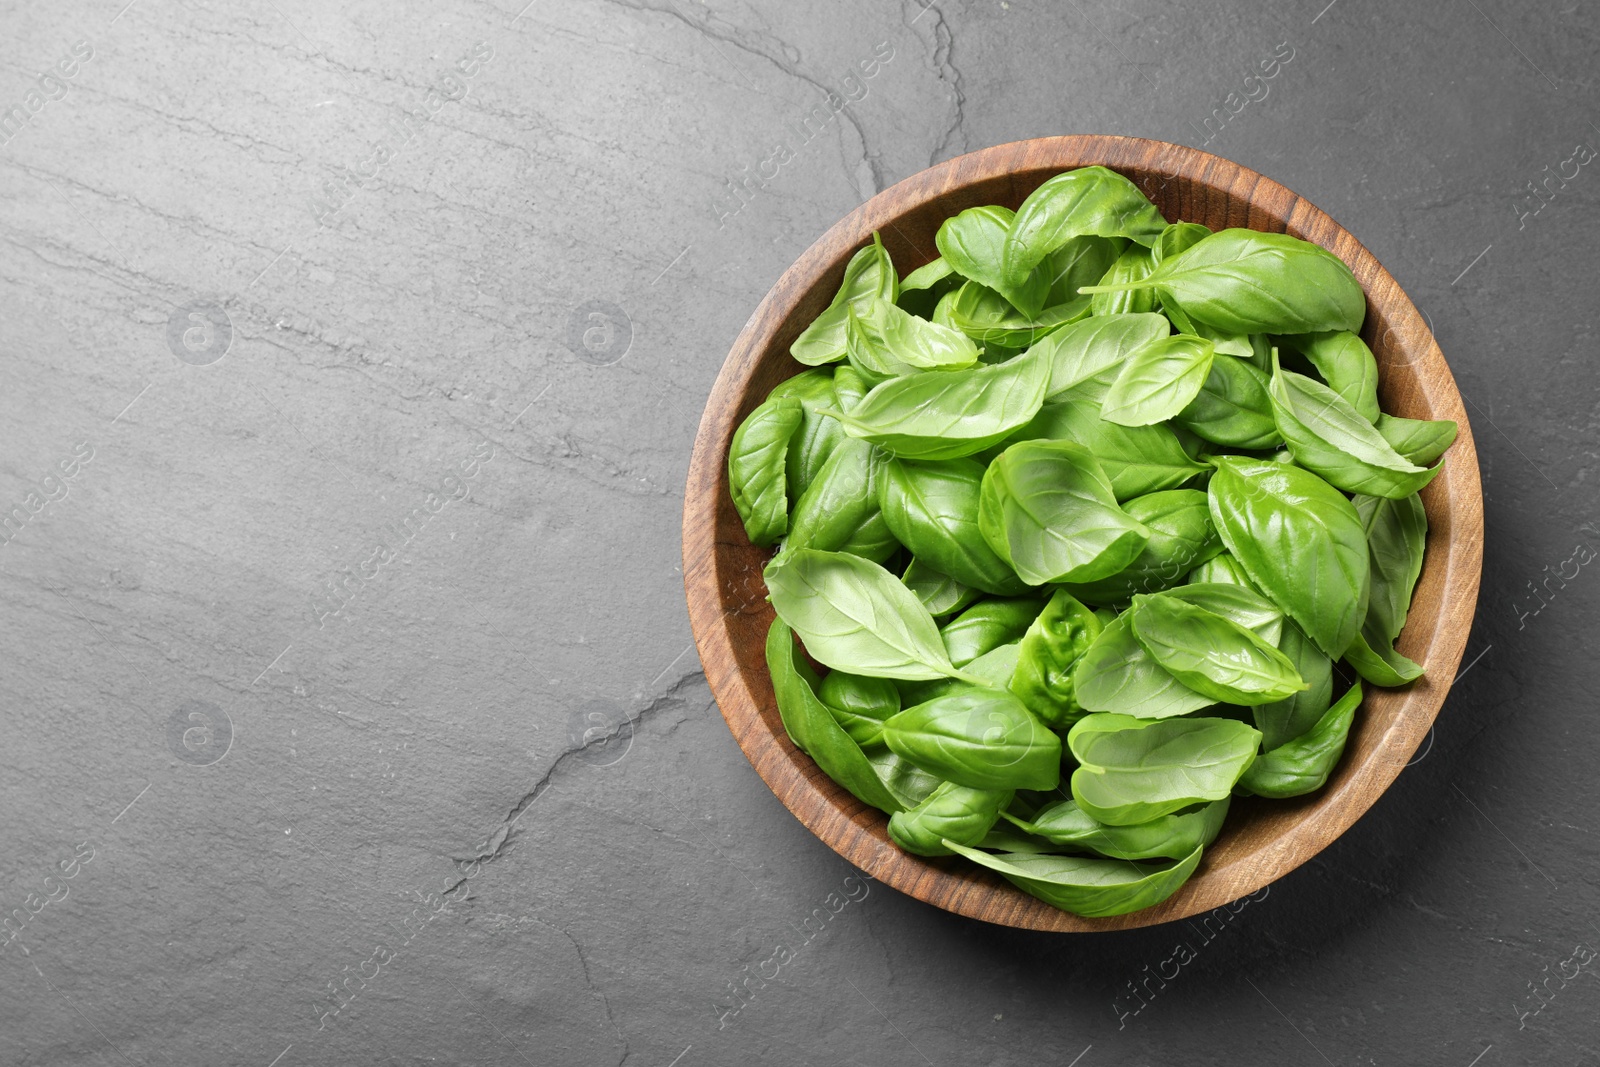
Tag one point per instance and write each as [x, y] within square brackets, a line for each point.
[886, 340]
[1089, 200]
[973, 242]
[812, 727]
[1329, 437]
[1346, 364]
[1226, 343]
[1397, 533]
[859, 704]
[1287, 719]
[1134, 770]
[817, 435]
[1117, 674]
[1095, 888]
[940, 594]
[869, 274]
[1081, 261]
[980, 738]
[839, 511]
[927, 276]
[946, 414]
[1237, 603]
[986, 316]
[1299, 540]
[1134, 264]
[1181, 536]
[1421, 441]
[855, 616]
[1167, 837]
[1374, 658]
[1245, 281]
[1047, 508]
[1221, 569]
[1137, 460]
[1178, 237]
[1158, 381]
[1047, 655]
[987, 625]
[1212, 655]
[907, 783]
[1302, 766]
[1005, 838]
[953, 812]
[1094, 347]
[932, 509]
[757, 468]
[1233, 407]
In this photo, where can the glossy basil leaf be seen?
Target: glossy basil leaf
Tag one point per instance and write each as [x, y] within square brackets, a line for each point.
[1158, 381]
[987, 625]
[907, 783]
[1087, 201]
[839, 511]
[855, 616]
[1095, 347]
[927, 276]
[992, 670]
[941, 594]
[757, 470]
[1047, 655]
[1225, 343]
[1167, 837]
[1284, 720]
[1299, 540]
[1081, 261]
[817, 435]
[1347, 365]
[1117, 674]
[850, 387]
[1134, 264]
[869, 274]
[1212, 655]
[973, 242]
[1237, 603]
[1329, 437]
[946, 414]
[1181, 537]
[1137, 460]
[1421, 441]
[1095, 888]
[1134, 770]
[1233, 407]
[859, 704]
[1047, 508]
[932, 509]
[951, 812]
[1246, 281]
[1302, 766]
[811, 726]
[1178, 237]
[1374, 658]
[1397, 533]
[1221, 569]
[1004, 837]
[980, 738]
[884, 339]
[989, 318]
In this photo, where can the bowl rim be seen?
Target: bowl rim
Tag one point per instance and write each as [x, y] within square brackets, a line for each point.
[847, 825]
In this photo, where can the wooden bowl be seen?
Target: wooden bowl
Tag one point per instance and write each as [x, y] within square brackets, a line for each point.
[1263, 840]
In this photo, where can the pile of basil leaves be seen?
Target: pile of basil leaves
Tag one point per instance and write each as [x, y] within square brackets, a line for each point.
[1079, 517]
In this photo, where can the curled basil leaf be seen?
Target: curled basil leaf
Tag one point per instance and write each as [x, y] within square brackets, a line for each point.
[1091, 887]
[817, 435]
[884, 340]
[1047, 656]
[1397, 533]
[1117, 674]
[859, 704]
[1221, 569]
[1233, 407]
[869, 274]
[941, 594]
[932, 509]
[973, 243]
[1089, 200]
[1347, 365]
[1047, 508]
[909, 784]
[980, 738]
[1134, 264]
[1178, 237]
[1181, 537]
[1134, 770]
[1137, 460]
[1095, 347]
[1287, 719]
[1213, 655]
[1421, 441]
[1374, 658]
[987, 625]
[1167, 837]
[1302, 766]
[757, 468]
[1225, 343]
[1158, 381]
[839, 511]
[989, 318]
[951, 812]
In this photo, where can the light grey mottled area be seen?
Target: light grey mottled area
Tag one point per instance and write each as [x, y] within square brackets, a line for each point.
[485, 790]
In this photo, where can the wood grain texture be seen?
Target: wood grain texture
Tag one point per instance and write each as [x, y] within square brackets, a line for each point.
[1263, 840]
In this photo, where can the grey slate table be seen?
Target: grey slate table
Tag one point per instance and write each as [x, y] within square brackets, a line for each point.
[352, 356]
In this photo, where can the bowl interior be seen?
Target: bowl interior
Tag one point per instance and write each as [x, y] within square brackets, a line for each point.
[722, 571]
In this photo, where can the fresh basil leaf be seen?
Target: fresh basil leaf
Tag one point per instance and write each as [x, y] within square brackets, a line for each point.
[1095, 888]
[1299, 540]
[1087, 201]
[951, 812]
[1397, 533]
[973, 242]
[1221, 569]
[1178, 237]
[1047, 508]
[1133, 265]
[1134, 770]
[757, 468]
[1137, 460]
[1236, 603]
[1167, 837]
[1284, 720]
[886, 340]
[989, 318]
[1329, 437]
[980, 738]
[839, 511]
[1233, 407]
[932, 509]
[1181, 536]
[859, 704]
[1081, 261]
[907, 783]
[1420, 441]
[927, 276]
[855, 616]
[941, 594]
[1212, 655]
[1043, 678]
[812, 727]
[1302, 766]
[1246, 281]
[1225, 343]
[1374, 658]
[987, 625]
[1346, 364]
[946, 414]
[817, 435]
[1094, 347]
[1158, 381]
[1117, 674]
[869, 274]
